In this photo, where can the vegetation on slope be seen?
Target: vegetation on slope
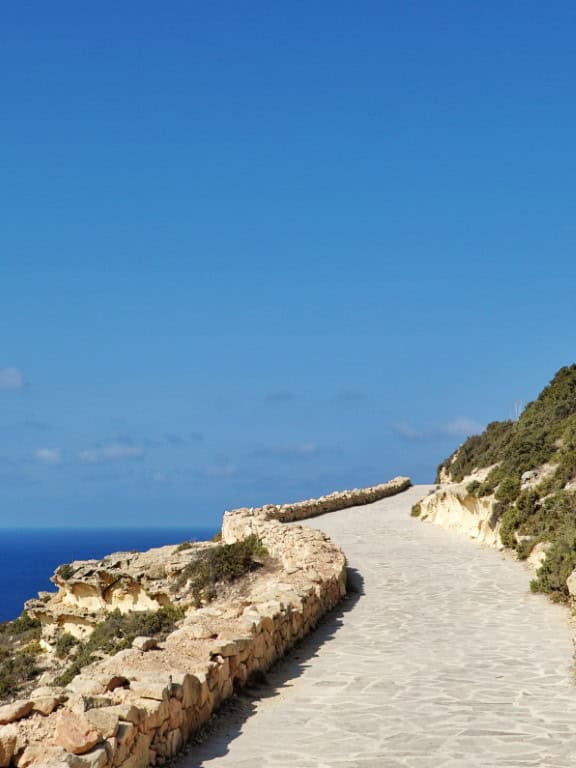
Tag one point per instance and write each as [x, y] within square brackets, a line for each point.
[114, 634]
[19, 649]
[218, 565]
[545, 433]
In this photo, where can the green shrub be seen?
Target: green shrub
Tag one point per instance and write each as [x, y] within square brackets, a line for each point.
[508, 527]
[65, 571]
[559, 564]
[221, 564]
[508, 490]
[24, 628]
[416, 510]
[184, 546]
[16, 669]
[64, 644]
[473, 487]
[19, 648]
[524, 548]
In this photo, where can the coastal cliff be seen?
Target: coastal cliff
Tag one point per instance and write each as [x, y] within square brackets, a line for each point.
[137, 704]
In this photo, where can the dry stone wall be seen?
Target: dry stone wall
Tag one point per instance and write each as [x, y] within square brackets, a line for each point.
[139, 707]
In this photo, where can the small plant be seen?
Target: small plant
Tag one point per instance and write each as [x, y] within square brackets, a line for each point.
[64, 644]
[221, 564]
[184, 546]
[416, 510]
[65, 571]
[23, 628]
[473, 487]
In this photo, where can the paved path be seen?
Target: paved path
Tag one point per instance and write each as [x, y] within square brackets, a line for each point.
[444, 660]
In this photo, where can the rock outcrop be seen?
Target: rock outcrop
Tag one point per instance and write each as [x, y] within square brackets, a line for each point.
[88, 590]
[140, 706]
[453, 507]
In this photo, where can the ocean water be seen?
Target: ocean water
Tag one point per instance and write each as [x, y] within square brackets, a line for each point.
[29, 557]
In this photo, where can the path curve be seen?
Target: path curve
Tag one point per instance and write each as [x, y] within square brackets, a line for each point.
[445, 659]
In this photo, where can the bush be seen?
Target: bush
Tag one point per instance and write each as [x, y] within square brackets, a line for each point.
[508, 526]
[65, 571]
[24, 628]
[416, 510]
[221, 564]
[19, 648]
[64, 644]
[473, 487]
[15, 669]
[508, 490]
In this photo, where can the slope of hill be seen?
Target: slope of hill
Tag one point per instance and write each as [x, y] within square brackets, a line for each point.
[515, 484]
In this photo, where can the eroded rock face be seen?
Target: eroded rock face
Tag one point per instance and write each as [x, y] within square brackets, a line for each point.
[8, 738]
[127, 581]
[452, 507]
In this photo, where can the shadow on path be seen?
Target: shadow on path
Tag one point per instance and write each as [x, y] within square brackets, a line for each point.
[226, 724]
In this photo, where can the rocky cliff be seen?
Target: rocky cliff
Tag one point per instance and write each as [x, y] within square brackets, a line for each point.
[88, 590]
[139, 706]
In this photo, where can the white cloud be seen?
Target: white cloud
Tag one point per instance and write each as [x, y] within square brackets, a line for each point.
[462, 427]
[226, 469]
[114, 452]
[49, 456]
[11, 379]
[408, 431]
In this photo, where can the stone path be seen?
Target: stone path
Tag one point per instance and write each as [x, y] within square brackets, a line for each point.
[445, 659]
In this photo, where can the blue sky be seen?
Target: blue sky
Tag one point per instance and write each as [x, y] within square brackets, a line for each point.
[253, 252]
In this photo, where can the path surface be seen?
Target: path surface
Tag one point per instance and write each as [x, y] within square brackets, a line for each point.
[445, 660]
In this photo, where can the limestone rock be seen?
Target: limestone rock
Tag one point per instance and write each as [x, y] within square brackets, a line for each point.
[85, 685]
[75, 733]
[452, 507]
[153, 687]
[95, 758]
[43, 756]
[45, 705]
[88, 590]
[144, 643]
[104, 721]
[9, 713]
[139, 758]
[538, 555]
[8, 737]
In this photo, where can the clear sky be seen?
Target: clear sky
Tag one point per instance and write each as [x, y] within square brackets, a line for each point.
[255, 251]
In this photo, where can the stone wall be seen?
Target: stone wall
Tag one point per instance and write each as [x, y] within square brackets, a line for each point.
[139, 707]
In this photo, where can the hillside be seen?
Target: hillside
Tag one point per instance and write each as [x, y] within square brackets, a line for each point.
[524, 474]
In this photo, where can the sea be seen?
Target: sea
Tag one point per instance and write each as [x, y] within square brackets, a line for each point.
[28, 557]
